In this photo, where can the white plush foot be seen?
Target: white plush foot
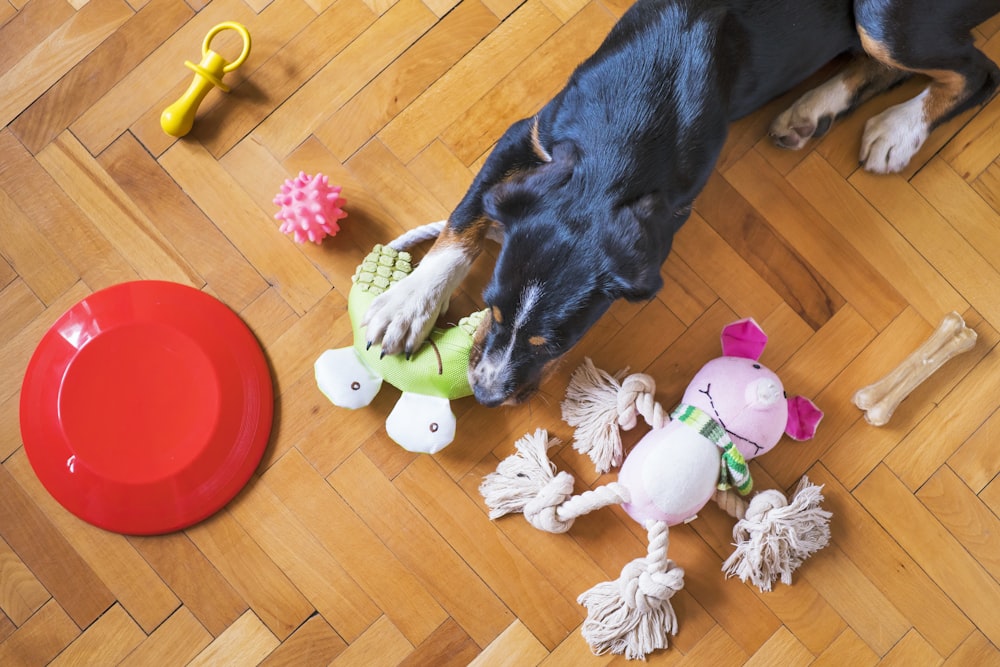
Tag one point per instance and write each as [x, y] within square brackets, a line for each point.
[811, 115]
[402, 317]
[893, 137]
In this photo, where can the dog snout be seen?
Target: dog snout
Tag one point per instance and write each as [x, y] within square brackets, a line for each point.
[491, 380]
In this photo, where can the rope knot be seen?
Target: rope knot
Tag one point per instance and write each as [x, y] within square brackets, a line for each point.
[646, 591]
[542, 510]
[637, 396]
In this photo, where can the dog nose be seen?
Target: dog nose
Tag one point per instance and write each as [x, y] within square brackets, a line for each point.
[490, 396]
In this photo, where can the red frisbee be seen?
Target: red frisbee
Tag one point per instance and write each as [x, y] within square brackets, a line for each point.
[146, 407]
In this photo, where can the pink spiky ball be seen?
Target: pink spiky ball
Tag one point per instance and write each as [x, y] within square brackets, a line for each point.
[310, 208]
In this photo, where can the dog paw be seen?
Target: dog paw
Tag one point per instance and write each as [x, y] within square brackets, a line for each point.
[810, 116]
[402, 318]
[893, 137]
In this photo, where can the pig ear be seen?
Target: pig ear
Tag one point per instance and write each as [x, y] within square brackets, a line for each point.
[743, 339]
[803, 418]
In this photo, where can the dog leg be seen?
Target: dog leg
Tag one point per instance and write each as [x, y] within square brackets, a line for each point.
[961, 76]
[402, 318]
[813, 113]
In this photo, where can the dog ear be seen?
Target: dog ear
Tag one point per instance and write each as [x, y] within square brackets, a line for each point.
[637, 246]
[515, 196]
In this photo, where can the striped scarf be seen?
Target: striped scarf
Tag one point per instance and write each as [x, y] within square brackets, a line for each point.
[733, 470]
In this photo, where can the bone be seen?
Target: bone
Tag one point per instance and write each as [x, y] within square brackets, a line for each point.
[880, 399]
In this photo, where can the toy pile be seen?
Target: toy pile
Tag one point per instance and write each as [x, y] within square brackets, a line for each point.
[733, 410]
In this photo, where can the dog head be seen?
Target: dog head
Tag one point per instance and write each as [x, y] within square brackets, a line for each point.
[569, 251]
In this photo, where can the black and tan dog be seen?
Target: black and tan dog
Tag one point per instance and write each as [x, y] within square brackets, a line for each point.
[590, 191]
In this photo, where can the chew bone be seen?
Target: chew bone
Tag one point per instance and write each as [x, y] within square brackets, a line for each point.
[880, 400]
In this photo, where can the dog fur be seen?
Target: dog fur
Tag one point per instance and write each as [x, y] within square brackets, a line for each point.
[590, 191]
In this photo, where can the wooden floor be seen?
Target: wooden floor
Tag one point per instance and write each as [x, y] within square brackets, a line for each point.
[344, 548]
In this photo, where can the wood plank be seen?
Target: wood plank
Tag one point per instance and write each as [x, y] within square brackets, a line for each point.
[875, 239]
[448, 646]
[114, 213]
[313, 643]
[107, 641]
[950, 254]
[816, 239]
[965, 516]
[303, 559]
[41, 638]
[21, 594]
[403, 599]
[402, 81]
[891, 568]
[178, 640]
[207, 596]
[547, 614]
[414, 540]
[225, 271]
[937, 437]
[346, 74]
[247, 641]
[750, 236]
[958, 202]
[59, 219]
[933, 548]
[98, 72]
[781, 649]
[381, 644]
[250, 570]
[516, 646]
[134, 584]
[847, 649]
[299, 59]
[972, 461]
[18, 306]
[529, 85]
[247, 227]
[457, 90]
[28, 26]
[31, 253]
[55, 55]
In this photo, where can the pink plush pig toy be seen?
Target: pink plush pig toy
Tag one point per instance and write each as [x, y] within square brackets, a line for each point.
[733, 410]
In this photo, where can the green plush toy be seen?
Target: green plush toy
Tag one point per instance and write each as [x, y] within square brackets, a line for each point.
[422, 420]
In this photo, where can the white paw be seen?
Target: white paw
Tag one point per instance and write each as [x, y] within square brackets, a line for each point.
[402, 317]
[811, 115]
[893, 137]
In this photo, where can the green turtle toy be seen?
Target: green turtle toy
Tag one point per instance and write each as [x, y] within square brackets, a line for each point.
[436, 374]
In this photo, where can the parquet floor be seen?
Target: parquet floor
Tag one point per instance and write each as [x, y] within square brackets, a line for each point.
[345, 549]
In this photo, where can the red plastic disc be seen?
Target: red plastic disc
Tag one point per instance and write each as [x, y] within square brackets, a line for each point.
[146, 407]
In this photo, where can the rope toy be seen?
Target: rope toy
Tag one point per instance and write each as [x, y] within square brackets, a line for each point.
[732, 411]
[437, 373]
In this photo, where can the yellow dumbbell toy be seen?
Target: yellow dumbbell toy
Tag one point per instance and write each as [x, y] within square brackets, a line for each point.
[177, 119]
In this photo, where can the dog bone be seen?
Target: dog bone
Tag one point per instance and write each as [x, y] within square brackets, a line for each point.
[880, 399]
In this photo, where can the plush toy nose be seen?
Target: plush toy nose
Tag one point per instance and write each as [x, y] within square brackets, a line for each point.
[764, 393]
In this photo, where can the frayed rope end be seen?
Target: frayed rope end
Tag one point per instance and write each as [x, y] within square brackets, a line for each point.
[776, 536]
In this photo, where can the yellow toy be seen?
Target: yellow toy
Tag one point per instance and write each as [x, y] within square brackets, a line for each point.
[177, 119]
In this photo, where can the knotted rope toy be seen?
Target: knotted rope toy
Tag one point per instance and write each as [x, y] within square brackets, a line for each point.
[437, 373]
[732, 411]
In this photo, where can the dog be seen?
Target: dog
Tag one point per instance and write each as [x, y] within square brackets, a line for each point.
[590, 191]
